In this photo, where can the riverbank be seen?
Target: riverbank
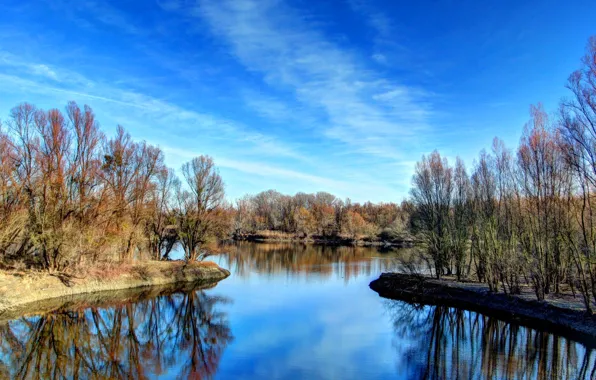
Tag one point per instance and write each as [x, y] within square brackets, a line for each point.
[18, 289]
[563, 314]
[100, 299]
[281, 237]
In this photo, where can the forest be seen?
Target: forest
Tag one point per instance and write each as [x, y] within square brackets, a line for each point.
[519, 217]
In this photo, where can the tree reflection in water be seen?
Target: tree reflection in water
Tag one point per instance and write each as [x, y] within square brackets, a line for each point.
[438, 342]
[181, 335]
[302, 260]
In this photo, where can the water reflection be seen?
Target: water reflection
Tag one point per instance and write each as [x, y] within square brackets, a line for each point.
[180, 335]
[437, 342]
[246, 259]
[298, 312]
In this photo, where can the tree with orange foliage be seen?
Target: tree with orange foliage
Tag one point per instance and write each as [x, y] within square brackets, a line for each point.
[354, 224]
[305, 223]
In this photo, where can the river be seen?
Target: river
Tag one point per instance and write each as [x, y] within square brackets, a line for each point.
[287, 311]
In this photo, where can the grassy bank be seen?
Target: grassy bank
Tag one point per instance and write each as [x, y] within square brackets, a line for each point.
[18, 289]
[562, 314]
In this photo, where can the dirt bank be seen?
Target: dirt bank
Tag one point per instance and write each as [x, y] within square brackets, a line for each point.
[100, 299]
[18, 289]
[564, 317]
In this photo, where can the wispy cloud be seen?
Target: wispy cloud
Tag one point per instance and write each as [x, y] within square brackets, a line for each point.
[177, 119]
[97, 14]
[269, 107]
[273, 39]
[377, 20]
[302, 180]
[10, 61]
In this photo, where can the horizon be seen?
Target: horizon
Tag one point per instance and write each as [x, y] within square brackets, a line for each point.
[343, 97]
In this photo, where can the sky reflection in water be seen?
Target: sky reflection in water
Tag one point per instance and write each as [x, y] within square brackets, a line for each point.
[287, 311]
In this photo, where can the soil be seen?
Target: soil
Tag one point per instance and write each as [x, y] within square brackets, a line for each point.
[562, 314]
[21, 289]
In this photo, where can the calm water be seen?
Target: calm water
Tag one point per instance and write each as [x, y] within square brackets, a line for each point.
[287, 311]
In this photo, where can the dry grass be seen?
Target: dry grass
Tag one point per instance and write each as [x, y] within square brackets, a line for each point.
[275, 235]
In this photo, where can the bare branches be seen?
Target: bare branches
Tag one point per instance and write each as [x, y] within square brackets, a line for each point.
[200, 216]
[68, 195]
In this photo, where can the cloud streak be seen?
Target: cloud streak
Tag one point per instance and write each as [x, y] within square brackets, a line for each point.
[273, 39]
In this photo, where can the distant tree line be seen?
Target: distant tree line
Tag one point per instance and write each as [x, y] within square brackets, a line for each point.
[320, 214]
[520, 217]
[70, 195]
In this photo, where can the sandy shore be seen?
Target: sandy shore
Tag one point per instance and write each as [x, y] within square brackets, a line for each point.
[563, 315]
[19, 289]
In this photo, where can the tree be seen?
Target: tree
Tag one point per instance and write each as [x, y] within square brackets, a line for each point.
[460, 217]
[578, 126]
[354, 224]
[305, 223]
[544, 184]
[199, 213]
[160, 225]
[431, 193]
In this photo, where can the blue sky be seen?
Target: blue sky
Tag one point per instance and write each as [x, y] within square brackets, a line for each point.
[341, 95]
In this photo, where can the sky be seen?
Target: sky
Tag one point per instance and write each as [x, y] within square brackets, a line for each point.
[342, 96]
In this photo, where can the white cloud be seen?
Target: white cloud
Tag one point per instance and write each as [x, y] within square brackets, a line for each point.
[37, 69]
[269, 107]
[271, 38]
[260, 169]
[380, 58]
[377, 20]
[44, 70]
[89, 13]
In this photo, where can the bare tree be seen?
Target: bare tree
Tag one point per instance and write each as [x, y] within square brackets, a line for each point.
[431, 193]
[578, 126]
[460, 217]
[199, 211]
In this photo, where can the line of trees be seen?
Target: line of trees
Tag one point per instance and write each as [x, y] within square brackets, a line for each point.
[527, 216]
[320, 214]
[69, 194]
